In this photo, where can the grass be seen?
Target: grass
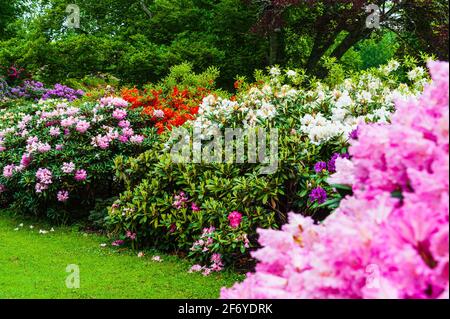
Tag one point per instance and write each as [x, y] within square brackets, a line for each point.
[33, 265]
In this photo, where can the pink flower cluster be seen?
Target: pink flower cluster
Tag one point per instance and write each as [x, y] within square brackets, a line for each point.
[131, 235]
[235, 219]
[391, 238]
[68, 168]
[180, 200]
[44, 179]
[113, 101]
[62, 196]
[205, 241]
[80, 175]
[216, 266]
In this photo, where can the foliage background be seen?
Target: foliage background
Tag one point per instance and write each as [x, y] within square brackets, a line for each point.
[236, 36]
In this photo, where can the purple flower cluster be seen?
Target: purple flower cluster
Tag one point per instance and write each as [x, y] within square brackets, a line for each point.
[320, 167]
[318, 195]
[332, 162]
[62, 92]
[28, 90]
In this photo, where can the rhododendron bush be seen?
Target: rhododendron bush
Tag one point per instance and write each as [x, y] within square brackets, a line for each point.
[390, 239]
[57, 157]
[175, 206]
[175, 99]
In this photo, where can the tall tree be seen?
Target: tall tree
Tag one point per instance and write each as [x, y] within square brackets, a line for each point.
[8, 12]
[327, 20]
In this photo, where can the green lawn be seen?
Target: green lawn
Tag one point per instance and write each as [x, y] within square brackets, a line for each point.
[33, 265]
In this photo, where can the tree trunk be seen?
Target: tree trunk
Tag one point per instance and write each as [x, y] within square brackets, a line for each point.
[350, 40]
[273, 47]
[321, 46]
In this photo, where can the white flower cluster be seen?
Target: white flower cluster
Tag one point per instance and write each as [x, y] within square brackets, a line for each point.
[322, 113]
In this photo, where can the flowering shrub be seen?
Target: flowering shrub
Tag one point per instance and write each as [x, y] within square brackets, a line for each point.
[28, 90]
[167, 209]
[57, 156]
[174, 100]
[13, 75]
[62, 92]
[17, 84]
[169, 205]
[390, 239]
[166, 111]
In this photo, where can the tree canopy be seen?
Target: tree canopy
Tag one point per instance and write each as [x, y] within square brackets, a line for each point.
[138, 41]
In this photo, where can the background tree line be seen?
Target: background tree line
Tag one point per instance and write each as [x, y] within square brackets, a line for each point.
[138, 41]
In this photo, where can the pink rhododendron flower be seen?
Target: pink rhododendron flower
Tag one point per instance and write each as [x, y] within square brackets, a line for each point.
[124, 124]
[117, 243]
[80, 175]
[391, 238]
[101, 141]
[113, 101]
[127, 131]
[119, 114]
[44, 179]
[68, 122]
[26, 160]
[131, 235]
[82, 126]
[55, 131]
[137, 139]
[8, 171]
[63, 196]
[196, 268]
[180, 200]
[235, 219]
[344, 174]
[158, 114]
[68, 168]
[43, 147]
[206, 272]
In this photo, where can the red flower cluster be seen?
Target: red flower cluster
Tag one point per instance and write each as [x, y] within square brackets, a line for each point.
[168, 110]
[14, 75]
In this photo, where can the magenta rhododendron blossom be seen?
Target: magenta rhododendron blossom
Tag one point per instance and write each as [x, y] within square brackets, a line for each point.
[80, 175]
[131, 235]
[117, 243]
[235, 219]
[82, 126]
[119, 114]
[391, 238]
[62, 196]
[26, 160]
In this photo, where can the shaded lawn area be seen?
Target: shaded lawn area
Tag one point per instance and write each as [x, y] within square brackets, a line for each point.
[33, 265]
